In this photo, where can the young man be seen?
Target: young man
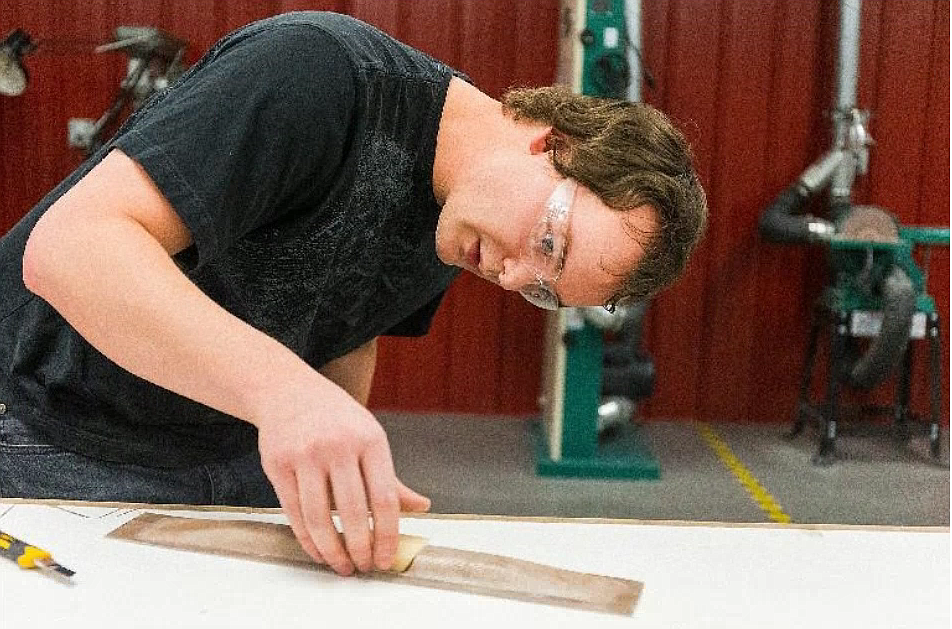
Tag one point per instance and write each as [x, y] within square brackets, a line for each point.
[191, 316]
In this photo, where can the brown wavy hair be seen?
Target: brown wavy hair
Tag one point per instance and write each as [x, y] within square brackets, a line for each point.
[629, 154]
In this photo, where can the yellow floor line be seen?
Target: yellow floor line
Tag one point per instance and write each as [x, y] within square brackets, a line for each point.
[760, 495]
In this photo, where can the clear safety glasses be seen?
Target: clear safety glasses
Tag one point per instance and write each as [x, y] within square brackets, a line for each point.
[544, 252]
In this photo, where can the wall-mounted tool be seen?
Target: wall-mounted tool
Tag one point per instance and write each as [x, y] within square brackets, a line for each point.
[155, 61]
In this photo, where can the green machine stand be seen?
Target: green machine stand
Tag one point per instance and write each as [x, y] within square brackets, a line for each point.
[593, 60]
[570, 445]
[851, 312]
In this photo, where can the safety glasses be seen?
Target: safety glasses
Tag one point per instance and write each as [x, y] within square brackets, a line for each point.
[544, 251]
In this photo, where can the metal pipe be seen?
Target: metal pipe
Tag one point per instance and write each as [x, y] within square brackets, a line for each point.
[847, 63]
[845, 109]
[820, 172]
[633, 29]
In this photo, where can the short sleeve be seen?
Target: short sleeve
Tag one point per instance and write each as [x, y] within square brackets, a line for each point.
[257, 129]
[418, 323]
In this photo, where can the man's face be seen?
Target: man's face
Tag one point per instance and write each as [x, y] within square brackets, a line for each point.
[504, 232]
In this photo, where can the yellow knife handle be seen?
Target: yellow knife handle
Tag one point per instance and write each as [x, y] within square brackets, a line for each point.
[22, 553]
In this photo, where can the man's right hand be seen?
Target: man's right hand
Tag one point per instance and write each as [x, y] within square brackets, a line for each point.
[321, 449]
[101, 256]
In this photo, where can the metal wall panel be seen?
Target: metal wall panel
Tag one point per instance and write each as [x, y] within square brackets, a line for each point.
[750, 83]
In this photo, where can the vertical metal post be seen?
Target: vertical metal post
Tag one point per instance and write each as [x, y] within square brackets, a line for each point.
[634, 56]
[901, 411]
[847, 61]
[847, 71]
[827, 452]
[806, 376]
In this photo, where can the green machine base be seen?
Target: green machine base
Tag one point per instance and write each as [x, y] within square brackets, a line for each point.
[574, 447]
[620, 454]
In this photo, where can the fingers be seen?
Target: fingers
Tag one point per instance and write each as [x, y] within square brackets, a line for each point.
[316, 509]
[285, 486]
[351, 501]
[308, 509]
[353, 470]
[410, 500]
[381, 483]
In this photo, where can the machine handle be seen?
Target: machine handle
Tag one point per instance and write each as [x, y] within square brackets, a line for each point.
[925, 235]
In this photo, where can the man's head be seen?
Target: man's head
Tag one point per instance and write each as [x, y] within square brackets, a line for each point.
[630, 155]
[569, 199]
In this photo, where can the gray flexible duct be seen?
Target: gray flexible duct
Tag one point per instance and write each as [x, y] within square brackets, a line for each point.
[887, 349]
[780, 222]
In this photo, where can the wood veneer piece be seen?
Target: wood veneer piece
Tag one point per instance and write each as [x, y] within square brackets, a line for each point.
[429, 566]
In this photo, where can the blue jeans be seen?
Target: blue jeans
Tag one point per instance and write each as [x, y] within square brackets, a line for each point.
[30, 468]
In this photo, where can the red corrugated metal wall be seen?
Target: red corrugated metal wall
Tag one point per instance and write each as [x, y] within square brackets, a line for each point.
[750, 82]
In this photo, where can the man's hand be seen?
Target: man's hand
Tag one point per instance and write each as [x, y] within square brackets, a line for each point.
[101, 256]
[319, 448]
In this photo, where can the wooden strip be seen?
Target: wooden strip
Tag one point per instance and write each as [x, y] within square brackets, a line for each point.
[495, 575]
[433, 566]
[262, 541]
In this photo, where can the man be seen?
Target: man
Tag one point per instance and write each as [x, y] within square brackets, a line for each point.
[215, 278]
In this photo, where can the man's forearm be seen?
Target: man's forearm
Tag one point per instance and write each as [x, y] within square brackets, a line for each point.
[115, 282]
[126, 297]
[354, 372]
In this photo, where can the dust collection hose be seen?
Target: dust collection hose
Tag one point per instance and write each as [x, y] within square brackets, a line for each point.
[781, 223]
[886, 350]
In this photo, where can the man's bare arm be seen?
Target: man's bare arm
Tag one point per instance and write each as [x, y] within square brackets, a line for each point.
[101, 255]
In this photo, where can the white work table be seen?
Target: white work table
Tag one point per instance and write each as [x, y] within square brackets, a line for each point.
[696, 575]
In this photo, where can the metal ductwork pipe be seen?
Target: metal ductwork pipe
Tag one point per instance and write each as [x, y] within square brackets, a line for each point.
[849, 128]
[847, 60]
[781, 221]
[887, 349]
[633, 54]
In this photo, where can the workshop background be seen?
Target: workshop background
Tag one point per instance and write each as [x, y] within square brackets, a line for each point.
[751, 88]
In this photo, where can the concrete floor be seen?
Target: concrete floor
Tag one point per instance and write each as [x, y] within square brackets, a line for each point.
[486, 465]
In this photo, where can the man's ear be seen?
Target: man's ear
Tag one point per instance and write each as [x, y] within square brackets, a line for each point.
[543, 141]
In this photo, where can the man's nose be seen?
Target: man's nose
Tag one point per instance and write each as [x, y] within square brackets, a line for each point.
[516, 274]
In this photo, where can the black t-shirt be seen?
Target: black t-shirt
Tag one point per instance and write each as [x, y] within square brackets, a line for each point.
[299, 153]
